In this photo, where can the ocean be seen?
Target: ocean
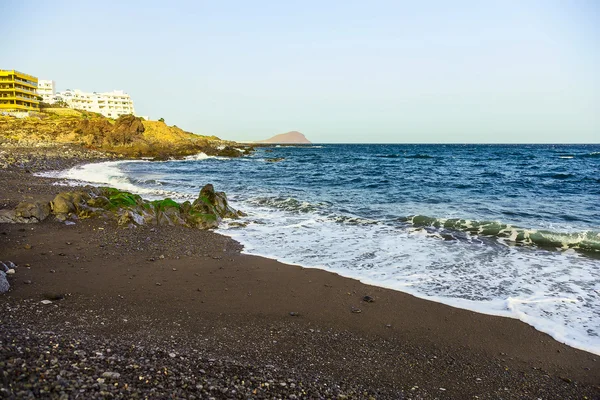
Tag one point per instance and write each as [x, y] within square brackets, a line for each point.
[510, 230]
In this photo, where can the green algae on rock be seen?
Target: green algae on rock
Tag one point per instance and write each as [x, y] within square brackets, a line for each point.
[130, 209]
[127, 209]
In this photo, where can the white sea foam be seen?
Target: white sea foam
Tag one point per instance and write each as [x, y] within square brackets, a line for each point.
[110, 174]
[202, 156]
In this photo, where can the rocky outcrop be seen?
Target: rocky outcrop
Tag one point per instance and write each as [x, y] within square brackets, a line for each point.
[127, 209]
[126, 130]
[130, 209]
[26, 213]
[128, 136]
[37, 211]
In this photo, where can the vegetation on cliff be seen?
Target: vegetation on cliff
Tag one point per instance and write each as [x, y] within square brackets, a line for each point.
[129, 136]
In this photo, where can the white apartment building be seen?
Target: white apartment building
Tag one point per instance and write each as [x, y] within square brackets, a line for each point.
[110, 104]
[47, 89]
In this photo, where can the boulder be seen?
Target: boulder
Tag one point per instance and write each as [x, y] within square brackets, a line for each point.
[7, 217]
[4, 285]
[63, 203]
[229, 151]
[211, 202]
[36, 211]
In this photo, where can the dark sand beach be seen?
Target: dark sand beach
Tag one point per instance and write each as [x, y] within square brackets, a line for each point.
[170, 312]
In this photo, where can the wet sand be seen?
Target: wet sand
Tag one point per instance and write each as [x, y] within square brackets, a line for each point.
[193, 292]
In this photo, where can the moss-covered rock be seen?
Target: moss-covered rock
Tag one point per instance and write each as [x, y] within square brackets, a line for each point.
[130, 209]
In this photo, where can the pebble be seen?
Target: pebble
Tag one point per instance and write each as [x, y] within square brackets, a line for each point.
[111, 375]
[10, 271]
[46, 302]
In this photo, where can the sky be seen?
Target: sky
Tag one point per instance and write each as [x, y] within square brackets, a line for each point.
[505, 71]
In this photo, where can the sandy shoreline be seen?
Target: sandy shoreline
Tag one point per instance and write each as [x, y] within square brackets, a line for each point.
[183, 289]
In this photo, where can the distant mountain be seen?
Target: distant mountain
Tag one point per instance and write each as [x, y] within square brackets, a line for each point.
[292, 137]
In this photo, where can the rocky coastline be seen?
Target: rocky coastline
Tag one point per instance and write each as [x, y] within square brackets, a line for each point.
[107, 304]
[95, 136]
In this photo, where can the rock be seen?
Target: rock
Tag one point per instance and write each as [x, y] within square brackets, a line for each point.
[63, 204]
[130, 210]
[294, 314]
[228, 151]
[4, 285]
[25, 213]
[27, 282]
[46, 302]
[111, 375]
[238, 224]
[10, 271]
[356, 310]
[276, 159]
[368, 299]
[34, 212]
[7, 217]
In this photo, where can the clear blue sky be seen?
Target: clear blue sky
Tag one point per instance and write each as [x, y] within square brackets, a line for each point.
[338, 71]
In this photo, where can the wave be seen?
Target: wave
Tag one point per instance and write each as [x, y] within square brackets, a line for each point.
[423, 156]
[556, 176]
[447, 228]
[594, 154]
[201, 156]
[288, 204]
[108, 173]
[588, 241]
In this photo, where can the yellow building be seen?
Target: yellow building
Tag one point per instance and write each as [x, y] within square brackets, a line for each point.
[18, 91]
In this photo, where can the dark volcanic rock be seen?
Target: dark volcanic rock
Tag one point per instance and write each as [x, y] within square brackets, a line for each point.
[4, 285]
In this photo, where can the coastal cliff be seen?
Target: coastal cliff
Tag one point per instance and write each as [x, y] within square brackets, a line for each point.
[128, 136]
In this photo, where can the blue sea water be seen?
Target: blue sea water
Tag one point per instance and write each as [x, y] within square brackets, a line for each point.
[510, 230]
